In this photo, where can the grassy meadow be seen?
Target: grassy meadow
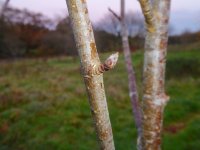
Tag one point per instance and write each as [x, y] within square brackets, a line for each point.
[43, 104]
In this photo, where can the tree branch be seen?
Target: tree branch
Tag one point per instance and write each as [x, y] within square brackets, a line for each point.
[85, 43]
[148, 15]
[133, 93]
[114, 14]
[154, 97]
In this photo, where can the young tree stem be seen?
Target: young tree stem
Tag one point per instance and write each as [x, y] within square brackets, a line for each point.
[154, 97]
[86, 46]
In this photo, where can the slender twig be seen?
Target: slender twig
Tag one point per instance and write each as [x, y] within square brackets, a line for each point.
[114, 14]
[86, 46]
[133, 93]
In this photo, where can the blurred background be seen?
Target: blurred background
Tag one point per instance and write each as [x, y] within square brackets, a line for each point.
[43, 103]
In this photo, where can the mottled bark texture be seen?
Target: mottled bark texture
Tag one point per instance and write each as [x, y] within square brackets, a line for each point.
[148, 15]
[3, 8]
[86, 46]
[133, 93]
[154, 97]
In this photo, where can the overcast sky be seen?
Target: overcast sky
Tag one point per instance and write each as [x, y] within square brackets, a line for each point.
[185, 14]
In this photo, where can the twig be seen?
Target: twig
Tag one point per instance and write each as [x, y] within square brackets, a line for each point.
[114, 14]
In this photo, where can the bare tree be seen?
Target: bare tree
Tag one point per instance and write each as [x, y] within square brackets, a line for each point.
[3, 7]
[92, 70]
[133, 93]
[156, 15]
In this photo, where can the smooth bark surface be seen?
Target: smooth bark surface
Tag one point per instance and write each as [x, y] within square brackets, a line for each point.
[93, 77]
[154, 97]
[133, 93]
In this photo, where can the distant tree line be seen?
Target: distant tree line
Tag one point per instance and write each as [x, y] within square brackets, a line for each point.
[27, 34]
[185, 38]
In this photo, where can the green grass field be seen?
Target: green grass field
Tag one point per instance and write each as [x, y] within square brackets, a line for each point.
[43, 104]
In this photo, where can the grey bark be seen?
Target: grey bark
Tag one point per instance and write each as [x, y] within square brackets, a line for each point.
[154, 97]
[133, 93]
[92, 70]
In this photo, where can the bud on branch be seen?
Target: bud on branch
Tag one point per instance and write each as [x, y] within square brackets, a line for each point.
[109, 64]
